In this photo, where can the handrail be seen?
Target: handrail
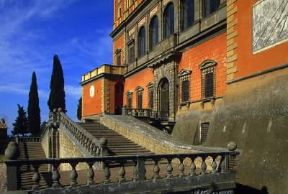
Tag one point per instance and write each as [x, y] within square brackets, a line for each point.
[188, 165]
[96, 147]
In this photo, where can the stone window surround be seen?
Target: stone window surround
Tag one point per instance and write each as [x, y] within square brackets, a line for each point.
[139, 91]
[129, 96]
[184, 75]
[206, 67]
[150, 88]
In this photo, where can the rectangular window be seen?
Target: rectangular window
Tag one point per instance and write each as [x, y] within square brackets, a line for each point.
[131, 53]
[139, 100]
[185, 90]
[208, 83]
[151, 99]
[118, 59]
[129, 100]
[204, 127]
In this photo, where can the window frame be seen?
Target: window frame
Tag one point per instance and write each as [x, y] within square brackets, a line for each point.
[208, 67]
[183, 18]
[129, 100]
[184, 76]
[131, 55]
[153, 33]
[139, 97]
[206, 12]
[141, 42]
[168, 21]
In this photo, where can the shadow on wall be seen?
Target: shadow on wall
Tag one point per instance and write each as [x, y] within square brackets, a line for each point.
[242, 189]
[255, 116]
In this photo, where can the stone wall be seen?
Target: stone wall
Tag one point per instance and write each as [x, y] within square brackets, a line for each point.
[2, 177]
[45, 143]
[147, 136]
[69, 149]
[254, 114]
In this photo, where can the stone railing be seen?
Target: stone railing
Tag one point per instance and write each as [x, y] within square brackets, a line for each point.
[27, 139]
[94, 146]
[146, 173]
[146, 113]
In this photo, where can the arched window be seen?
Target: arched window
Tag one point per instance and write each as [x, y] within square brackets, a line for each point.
[168, 19]
[187, 14]
[153, 32]
[141, 42]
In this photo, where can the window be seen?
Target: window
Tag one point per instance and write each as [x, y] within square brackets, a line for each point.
[131, 52]
[204, 127]
[153, 32]
[118, 57]
[187, 14]
[119, 12]
[139, 91]
[139, 99]
[141, 42]
[208, 79]
[168, 18]
[184, 76]
[185, 90]
[129, 100]
[210, 6]
[150, 87]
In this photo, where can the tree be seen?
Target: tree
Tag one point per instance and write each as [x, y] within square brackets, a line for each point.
[34, 119]
[21, 122]
[79, 109]
[57, 93]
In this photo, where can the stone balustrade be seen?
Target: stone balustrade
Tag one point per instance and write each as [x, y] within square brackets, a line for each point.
[145, 113]
[96, 147]
[124, 173]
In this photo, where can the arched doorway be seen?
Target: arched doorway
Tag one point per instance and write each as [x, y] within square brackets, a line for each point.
[163, 95]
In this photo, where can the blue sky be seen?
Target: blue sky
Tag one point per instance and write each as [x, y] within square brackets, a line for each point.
[32, 31]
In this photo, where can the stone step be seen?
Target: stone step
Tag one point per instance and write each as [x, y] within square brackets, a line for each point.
[117, 144]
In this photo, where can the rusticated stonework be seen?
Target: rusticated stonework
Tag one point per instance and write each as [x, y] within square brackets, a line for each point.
[270, 23]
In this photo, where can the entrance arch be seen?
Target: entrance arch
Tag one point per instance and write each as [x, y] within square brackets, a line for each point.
[163, 95]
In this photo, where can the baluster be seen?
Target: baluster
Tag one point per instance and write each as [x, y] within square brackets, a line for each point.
[36, 177]
[169, 168]
[203, 166]
[214, 165]
[55, 175]
[181, 168]
[135, 171]
[192, 167]
[73, 175]
[156, 170]
[90, 174]
[106, 173]
[121, 173]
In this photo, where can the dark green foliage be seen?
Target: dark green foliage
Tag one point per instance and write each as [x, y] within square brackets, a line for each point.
[21, 122]
[57, 93]
[79, 109]
[34, 119]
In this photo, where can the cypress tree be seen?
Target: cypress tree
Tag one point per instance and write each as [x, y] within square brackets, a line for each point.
[57, 93]
[21, 122]
[34, 119]
[79, 109]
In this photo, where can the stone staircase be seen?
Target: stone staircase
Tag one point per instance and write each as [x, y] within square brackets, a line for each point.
[117, 144]
[30, 151]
